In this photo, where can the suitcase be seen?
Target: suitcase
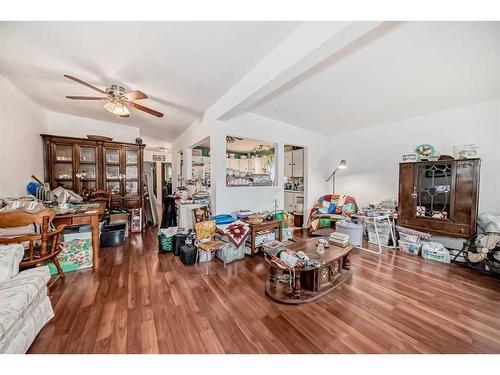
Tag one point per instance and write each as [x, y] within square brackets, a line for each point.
[179, 241]
[188, 255]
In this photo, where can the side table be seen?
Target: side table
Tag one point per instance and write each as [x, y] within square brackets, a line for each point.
[265, 225]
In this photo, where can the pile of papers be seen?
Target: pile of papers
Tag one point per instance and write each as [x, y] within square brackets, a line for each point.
[340, 239]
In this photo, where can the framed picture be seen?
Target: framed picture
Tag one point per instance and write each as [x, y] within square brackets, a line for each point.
[409, 158]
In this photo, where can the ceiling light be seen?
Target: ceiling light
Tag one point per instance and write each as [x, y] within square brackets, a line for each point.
[117, 108]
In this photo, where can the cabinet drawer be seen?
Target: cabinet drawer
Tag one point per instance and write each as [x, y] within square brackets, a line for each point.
[439, 227]
[132, 203]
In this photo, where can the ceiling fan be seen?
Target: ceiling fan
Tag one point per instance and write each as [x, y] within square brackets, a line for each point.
[117, 100]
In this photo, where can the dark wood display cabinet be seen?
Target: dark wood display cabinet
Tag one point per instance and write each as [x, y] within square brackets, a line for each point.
[439, 197]
[84, 165]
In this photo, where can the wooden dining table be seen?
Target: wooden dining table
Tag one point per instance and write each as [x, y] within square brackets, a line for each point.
[84, 214]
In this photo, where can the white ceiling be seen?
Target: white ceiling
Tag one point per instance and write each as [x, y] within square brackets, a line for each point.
[184, 67]
[405, 70]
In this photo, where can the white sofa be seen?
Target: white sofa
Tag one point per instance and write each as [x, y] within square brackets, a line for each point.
[24, 304]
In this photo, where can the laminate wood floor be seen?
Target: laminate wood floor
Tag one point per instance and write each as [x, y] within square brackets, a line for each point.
[144, 302]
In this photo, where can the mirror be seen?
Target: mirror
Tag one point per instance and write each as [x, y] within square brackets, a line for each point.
[250, 162]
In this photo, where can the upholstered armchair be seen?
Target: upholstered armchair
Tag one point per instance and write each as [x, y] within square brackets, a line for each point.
[329, 209]
[24, 304]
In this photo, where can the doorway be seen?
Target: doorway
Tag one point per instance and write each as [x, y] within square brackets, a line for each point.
[166, 179]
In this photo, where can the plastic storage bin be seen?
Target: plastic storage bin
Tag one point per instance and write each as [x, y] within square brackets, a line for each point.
[69, 235]
[412, 248]
[230, 252]
[113, 235]
[408, 237]
[435, 251]
[355, 231]
[384, 233]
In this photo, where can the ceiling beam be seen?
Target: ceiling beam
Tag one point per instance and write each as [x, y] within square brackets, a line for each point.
[306, 47]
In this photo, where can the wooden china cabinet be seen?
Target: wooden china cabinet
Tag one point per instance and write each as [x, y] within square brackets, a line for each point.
[84, 165]
[439, 197]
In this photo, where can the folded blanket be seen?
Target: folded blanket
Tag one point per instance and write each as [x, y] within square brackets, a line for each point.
[236, 232]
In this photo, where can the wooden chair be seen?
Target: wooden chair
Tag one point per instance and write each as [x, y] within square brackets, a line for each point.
[201, 214]
[43, 247]
[98, 196]
[205, 235]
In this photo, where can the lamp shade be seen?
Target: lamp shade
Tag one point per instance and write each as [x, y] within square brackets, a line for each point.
[117, 108]
[342, 164]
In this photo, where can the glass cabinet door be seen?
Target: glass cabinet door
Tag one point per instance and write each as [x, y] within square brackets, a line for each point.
[112, 156]
[63, 166]
[131, 187]
[434, 183]
[113, 186]
[63, 153]
[87, 155]
[63, 175]
[131, 172]
[87, 170]
[112, 172]
[131, 157]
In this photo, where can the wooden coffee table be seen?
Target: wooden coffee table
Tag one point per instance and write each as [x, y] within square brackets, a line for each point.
[313, 282]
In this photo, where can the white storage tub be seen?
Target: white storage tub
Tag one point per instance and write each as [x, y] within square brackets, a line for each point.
[384, 232]
[354, 231]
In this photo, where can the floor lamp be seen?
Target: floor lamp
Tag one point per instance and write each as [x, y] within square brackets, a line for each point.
[342, 165]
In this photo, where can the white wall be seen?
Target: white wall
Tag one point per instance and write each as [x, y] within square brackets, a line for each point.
[230, 199]
[75, 126]
[373, 153]
[21, 149]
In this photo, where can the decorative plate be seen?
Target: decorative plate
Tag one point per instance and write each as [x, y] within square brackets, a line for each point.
[425, 151]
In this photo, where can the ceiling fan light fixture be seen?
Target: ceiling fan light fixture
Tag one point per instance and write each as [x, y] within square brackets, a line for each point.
[117, 108]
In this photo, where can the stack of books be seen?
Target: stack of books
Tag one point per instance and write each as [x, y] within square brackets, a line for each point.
[339, 239]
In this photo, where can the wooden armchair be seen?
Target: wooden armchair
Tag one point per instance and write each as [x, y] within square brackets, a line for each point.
[43, 247]
[98, 196]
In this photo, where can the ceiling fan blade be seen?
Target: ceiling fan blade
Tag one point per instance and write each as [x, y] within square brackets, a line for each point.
[85, 84]
[145, 109]
[135, 95]
[87, 97]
